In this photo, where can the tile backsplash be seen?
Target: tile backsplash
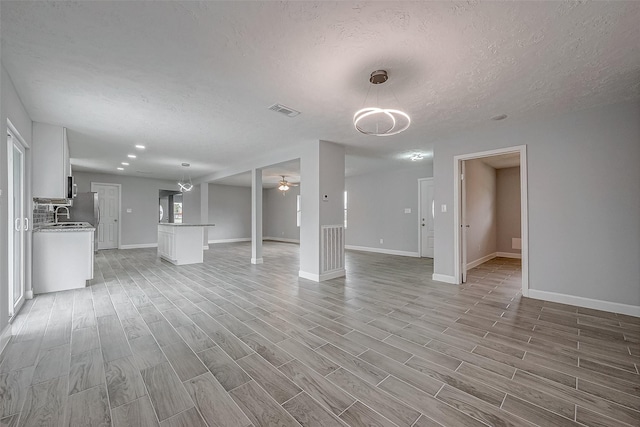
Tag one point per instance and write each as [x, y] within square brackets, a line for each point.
[42, 214]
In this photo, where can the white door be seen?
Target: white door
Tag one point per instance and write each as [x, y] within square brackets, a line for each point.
[427, 211]
[109, 204]
[463, 221]
[18, 223]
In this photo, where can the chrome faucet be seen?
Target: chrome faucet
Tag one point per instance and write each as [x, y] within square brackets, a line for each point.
[57, 212]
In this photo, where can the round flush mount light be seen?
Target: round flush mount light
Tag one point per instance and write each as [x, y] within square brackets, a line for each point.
[378, 121]
[499, 117]
[416, 156]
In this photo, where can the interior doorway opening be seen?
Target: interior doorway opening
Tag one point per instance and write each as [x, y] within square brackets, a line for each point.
[170, 206]
[477, 208]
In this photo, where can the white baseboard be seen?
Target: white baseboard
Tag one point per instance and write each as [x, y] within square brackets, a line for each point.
[614, 307]
[257, 260]
[241, 239]
[382, 251]
[444, 278]
[322, 277]
[139, 246]
[5, 336]
[479, 261]
[281, 239]
[509, 255]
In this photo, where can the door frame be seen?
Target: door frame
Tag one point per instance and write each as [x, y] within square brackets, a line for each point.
[524, 209]
[26, 247]
[420, 180]
[119, 206]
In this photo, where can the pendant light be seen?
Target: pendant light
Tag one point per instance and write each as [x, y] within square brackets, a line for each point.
[183, 184]
[378, 121]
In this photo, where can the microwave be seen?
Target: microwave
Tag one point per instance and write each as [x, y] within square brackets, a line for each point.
[72, 188]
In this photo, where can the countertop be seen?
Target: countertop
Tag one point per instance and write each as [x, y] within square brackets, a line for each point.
[53, 228]
[185, 225]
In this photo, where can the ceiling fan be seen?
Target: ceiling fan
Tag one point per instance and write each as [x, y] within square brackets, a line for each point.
[285, 185]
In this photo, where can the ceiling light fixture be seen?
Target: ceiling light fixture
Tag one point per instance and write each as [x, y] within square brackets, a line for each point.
[140, 147]
[378, 121]
[124, 164]
[120, 169]
[183, 184]
[131, 156]
[285, 185]
[416, 156]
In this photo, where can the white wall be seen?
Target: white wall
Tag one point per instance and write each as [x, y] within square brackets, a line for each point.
[279, 214]
[481, 210]
[140, 227]
[230, 211]
[376, 204]
[191, 206]
[11, 108]
[508, 208]
[584, 203]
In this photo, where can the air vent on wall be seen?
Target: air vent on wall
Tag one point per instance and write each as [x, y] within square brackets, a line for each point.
[279, 108]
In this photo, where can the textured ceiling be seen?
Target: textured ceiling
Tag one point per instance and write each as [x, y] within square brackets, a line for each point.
[192, 80]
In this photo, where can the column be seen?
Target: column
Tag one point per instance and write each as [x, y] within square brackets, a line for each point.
[322, 203]
[256, 216]
[204, 212]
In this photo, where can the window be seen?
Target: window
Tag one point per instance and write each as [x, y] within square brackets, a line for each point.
[177, 213]
[298, 215]
[345, 209]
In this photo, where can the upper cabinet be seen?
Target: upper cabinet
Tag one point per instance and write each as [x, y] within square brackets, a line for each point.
[50, 161]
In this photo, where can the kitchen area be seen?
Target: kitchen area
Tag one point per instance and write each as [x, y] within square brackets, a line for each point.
[65, 222]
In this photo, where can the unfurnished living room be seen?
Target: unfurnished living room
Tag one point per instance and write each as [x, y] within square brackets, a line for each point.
[296, 213]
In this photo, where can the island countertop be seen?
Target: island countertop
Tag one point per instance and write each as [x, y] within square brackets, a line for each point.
[172, 224]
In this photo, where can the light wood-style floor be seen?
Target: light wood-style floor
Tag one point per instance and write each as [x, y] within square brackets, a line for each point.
[227, 343]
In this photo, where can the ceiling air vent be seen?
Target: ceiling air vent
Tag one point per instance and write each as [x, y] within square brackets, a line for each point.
[279, 108]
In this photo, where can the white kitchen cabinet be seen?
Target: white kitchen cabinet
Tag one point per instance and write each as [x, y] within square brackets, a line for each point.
[50, 161]
[181, 243]
[62, 259]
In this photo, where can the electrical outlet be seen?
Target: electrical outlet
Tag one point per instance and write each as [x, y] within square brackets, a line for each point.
[381, 241]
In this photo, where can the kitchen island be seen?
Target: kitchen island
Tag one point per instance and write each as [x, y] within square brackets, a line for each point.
[181, 243]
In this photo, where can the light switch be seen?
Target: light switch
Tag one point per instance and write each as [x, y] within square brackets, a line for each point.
[129, 210]
[407, 210]
[443, 208]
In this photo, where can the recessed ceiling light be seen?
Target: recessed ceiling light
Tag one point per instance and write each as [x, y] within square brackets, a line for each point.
[120, 169]
[131, 156]
[124, 164]
[140, 147]
[499, 117]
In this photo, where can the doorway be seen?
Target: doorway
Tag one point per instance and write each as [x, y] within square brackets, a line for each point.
[461, 222]
[170, 206]
[109, 226]
[426, 215]
[18, 221]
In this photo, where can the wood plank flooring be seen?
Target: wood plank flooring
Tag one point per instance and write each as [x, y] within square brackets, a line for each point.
[227, 343]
